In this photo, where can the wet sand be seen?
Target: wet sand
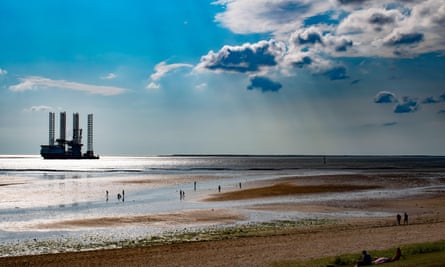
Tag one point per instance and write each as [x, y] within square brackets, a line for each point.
[345, 235]
[193, 217]
[286, 189]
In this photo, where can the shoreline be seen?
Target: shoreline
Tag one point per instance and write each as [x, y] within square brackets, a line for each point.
[220, 228]
[257, 248]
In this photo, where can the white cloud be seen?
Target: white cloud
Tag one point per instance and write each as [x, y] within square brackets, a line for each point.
[262, 16]
[109, 76]
[201, 86]
[36, 82]
[246, 58]
[343, 28]
[153, 85]
[38, 108]
[365, 27]
[163, 68]
[3, 72]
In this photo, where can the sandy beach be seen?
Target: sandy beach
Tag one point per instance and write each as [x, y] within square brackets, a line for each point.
[335, 237]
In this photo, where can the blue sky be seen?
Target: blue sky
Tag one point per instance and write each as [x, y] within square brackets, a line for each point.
[228, 76]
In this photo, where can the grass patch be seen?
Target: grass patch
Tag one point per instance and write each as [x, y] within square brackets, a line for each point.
[422, 254]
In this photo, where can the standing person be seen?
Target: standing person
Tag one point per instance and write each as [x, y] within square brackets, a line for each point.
[123, 195]
[405, 218]
[399, 217]
[106, 193]
[194, 186]
[219, 188]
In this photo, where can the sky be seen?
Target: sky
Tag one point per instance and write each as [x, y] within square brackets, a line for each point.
[329, 77]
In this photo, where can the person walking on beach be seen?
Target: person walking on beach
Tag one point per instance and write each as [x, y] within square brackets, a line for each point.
[123, 195]
[219, 188]
[399, 218]
[106, 195]
[194, 185]
[405, 218]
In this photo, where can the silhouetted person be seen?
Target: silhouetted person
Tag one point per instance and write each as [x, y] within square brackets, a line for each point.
[405, 218]
[397, 256]
[123, 195]
[106, 194]
[194, 185]
[219, 188]
[399, 218]
[365, 260]
[240, 185]
[119, 196]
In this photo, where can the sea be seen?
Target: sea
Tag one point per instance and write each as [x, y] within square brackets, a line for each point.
[37, 193]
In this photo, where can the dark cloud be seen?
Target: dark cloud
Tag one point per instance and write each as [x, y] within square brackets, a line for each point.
[442, 97]
[442, 111]
[380, 19]
[303, 62]
[404, 39]
[343, 45]
[387, 124]
[354, 2]
[264, 84]
[407, 105]
[246, 58]
[355, 82]
[384, 97]
[310, 38]
[431, 100]
[336, 73]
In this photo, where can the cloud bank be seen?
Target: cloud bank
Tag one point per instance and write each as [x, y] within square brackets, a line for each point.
[314, 35]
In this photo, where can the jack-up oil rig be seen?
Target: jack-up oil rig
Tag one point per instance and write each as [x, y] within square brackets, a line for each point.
[74, 151]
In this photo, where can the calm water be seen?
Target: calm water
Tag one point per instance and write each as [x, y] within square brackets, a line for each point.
[14, 164]
[35, 191]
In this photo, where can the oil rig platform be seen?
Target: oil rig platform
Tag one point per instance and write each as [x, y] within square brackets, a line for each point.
[62, 148]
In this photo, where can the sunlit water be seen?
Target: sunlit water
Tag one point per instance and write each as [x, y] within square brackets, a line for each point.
[35, 191]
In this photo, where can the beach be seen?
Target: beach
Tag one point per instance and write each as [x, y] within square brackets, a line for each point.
[306, 242]
[308, 214]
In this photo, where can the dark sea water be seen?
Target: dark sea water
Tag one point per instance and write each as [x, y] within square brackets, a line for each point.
[34, 191]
